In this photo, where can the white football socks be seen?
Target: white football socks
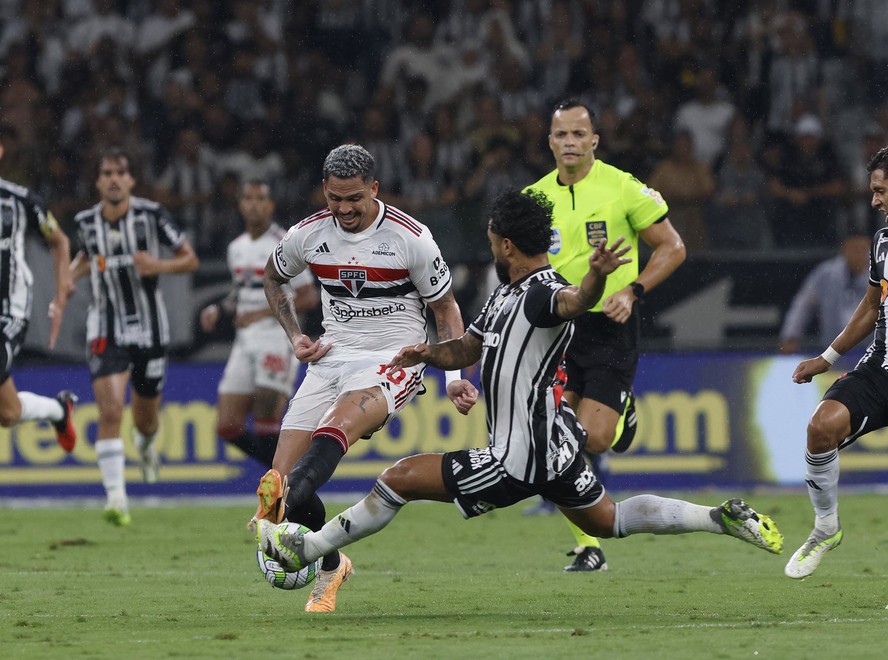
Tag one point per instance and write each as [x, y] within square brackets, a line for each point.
[111, 464]
[363, 519]
[822, 479]
[652, 514]
[35, 406]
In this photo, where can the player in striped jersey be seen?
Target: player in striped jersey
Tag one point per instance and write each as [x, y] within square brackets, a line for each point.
[127, 330]
[857, 403]
[20, 210]
[261, 369]
[535, 441]
[379, 271]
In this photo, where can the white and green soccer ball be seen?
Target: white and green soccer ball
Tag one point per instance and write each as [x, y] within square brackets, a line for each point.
[278, 577]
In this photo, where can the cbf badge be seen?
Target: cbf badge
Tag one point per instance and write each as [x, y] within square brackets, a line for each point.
[555, 245]
[595, 231]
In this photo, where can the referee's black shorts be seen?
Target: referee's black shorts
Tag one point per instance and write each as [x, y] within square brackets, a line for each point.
[864, 392]
[602, 358]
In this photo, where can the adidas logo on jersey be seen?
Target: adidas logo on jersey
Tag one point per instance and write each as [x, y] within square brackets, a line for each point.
[323, 249]
[455, 468]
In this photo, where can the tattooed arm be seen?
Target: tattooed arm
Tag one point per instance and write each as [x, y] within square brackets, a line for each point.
[453, 354]
[448, 318]
[281, 301]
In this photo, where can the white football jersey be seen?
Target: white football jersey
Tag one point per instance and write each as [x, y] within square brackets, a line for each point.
[246, 261]
[375, 283]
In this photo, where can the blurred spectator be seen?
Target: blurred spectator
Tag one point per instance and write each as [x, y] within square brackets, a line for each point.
[688, 184]
[807, 188]
[106, 23]
[226, 220]
[260, 31]
[244, 94]
[828, 296]
[252, 157]
[161, 26]
[18, 94]
[794, 75]
[535, 153]
[738, 218]
[453, 152]
[424, 185]
[489, 126]
[558, 52]
[185, 186]
[413, 110]
[634, 148]
[377, 136]
[499, 169]
[706, 117]
[512, 85]
[441, 66]
[14, 165]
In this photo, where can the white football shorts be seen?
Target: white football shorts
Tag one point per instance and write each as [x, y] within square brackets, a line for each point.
[257, 361]
[325, 381]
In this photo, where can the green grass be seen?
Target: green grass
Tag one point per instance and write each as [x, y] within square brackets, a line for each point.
[182, 583]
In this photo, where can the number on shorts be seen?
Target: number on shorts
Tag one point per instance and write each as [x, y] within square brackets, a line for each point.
[395, 376]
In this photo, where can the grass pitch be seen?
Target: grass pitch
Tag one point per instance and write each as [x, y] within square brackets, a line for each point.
[183, 583]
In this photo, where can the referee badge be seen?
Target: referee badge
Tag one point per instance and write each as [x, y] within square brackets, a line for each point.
[595, 231]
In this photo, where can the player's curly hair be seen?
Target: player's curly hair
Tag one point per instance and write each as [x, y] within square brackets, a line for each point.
[879, 162]
[350, 160]
[523, 218]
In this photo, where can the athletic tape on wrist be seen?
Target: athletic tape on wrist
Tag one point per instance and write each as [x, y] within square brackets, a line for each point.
[830, 354]
[450, 376]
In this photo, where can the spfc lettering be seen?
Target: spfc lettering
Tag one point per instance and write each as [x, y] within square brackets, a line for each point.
[353, 279]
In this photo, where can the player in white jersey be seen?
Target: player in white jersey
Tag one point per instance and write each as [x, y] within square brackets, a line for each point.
[21, 210]
[534, 437]
[261, 369]
[379, 270]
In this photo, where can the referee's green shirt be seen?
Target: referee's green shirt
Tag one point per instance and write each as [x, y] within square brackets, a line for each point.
[607, 203]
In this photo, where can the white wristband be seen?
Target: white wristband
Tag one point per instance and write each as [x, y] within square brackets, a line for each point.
[830, 354]
[450, 376]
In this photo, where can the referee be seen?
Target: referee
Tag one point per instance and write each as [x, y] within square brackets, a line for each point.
[593, 201]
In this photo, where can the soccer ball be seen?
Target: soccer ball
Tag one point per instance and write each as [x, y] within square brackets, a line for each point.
[278, 576]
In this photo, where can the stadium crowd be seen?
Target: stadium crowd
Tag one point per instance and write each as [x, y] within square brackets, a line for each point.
[754, 118]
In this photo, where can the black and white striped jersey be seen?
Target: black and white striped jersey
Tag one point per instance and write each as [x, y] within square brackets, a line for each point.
[19, 210]
[877, 353]
[531, 432]
[126, 307]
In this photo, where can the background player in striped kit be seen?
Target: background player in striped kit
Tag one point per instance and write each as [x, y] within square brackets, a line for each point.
[261, 369]
[21, 210]
[127, 330]
[534, 438]
[379, 271]
[856, 403]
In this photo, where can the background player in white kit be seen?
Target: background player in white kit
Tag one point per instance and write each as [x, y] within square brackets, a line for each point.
[379, 269]
[261, 369]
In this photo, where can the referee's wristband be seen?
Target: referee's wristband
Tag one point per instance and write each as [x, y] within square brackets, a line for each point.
[451, 376]
[830, 354]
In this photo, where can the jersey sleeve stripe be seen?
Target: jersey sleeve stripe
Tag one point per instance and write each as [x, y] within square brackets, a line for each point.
[320, 215]
[400, 215]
